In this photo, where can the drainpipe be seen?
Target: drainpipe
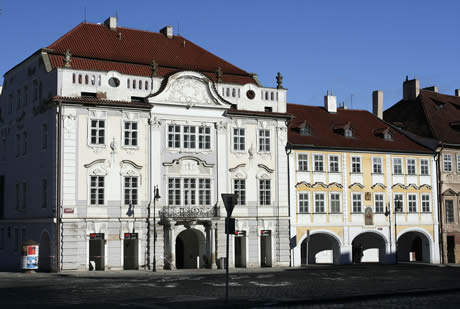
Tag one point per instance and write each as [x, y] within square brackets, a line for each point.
[58, 189]
[288, 152]
[440, 218]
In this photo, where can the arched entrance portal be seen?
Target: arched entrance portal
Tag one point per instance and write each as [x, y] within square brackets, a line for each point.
[413, 247]
[190, 249]
[44, 253]
[320, 248]
[372, 246]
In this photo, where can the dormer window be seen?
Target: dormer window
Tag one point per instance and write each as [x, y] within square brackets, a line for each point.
[303, 128]
[384, 133]
[387, 136]
[348, 133]
[344, 129]
[305, 131]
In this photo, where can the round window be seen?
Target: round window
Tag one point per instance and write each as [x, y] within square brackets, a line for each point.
[114, 82]
[250, 94]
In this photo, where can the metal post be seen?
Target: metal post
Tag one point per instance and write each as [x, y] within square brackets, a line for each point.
[398, 206]
[156, 196]
[226, 263]
[388, 214]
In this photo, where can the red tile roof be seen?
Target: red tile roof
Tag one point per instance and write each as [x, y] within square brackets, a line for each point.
[365, 127]
[431, 115]
[96, 47]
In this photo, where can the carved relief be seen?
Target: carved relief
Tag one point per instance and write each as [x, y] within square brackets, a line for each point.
[282, 134]
[190, 91]
[221, 126]
[155, 122]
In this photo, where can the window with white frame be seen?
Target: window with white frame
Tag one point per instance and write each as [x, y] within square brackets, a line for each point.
[424, 170]
[449, 211]
[318, 162]
[377, 165]
[334, 203]
[412, 202]
[97, 132]
[204, 138]
[356, 164]
[378, 203]
[174, 191]
[174, 136]
[397, 166]
[131, 190]
[264, 192]
[130, 133]
[399, 198]
[44, 191]
[303, 162]
[239, 188]
[44, 136]
[264, 140]
[426, 203]
[319, 203]
[189, 137]
[97, 189]
[303, 203]
[189, 191]
[447, 159]
[356, 202]
[239, 139]
[204, 191]
[410, 167]
[334, 164]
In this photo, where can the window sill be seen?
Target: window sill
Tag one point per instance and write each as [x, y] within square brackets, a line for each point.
[303, 171]
[130, 147]
[334, 172]
[356, 173]
[319, 172]
[377, 174]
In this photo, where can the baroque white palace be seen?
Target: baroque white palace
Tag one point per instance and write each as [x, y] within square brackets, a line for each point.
[115, 157]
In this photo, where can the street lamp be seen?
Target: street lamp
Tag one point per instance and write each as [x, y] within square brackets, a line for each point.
[398, 208]
[156, 196]
[388, 214]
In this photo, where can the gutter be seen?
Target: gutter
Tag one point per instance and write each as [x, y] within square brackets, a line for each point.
[59, 189]
[440, 218]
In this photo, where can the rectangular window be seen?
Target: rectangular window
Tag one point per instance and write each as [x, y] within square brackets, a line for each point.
[378, 203]
[24, 195]
[24, 143]
[426, 203]
[264, 192]
[97, 132]
[334, 164]
[264, 140]
[334, 203]
[357, 203]
[189, 137]
[173, 136]
[96, 190]
[424, 167]
[319, 203]
[204, 138]
[399, 198]
[174, 191]
[239, 188]
[355, 164]
[397, 166]
[449, 211]
[412, 202]
[458, 163]
[131, 190]
[189, 191]
[238, 139]
[411, 167]
[377, 165]
[44, 136]
[204, 193]
[130, 134]
[44, 187]
[447, 163]
[318, 161]
[303, 203]
[303, 162]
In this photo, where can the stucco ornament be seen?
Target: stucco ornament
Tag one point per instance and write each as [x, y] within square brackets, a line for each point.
[190, 91]
[69, 121]
[251, 152]
[155, 122]
[282, 134]
[221, 126]
[113, 147]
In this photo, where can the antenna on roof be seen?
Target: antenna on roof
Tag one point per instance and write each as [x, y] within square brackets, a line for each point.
[116, 16]
[84, 17]
[351, 101]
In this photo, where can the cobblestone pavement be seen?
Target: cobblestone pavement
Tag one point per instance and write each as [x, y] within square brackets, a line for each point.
[348, 286]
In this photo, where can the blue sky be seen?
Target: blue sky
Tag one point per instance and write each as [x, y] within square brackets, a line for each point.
[348, 47]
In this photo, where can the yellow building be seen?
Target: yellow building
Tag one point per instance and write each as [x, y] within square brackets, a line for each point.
[347, 171]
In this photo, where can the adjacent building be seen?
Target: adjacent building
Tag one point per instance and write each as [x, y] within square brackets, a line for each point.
[435, 119]
[116, 147]
[348, 170]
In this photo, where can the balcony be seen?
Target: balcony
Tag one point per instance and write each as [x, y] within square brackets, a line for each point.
[189, 212]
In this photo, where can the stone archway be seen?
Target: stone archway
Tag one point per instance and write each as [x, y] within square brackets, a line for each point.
[373, 247]
[190, 249]
[44, 253]
[322, 248]
[414, 246]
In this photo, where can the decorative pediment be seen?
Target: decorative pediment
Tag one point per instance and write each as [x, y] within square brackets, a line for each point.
[98, 161]
[303, 183]
[188, 158]
[356, 185]
[449, 192]
[320, 184]
[189, 89]
[378, 185]
[425, 186]
[97, 168]
[335, 184]
[242, 165]
[266, 168]
[398, 185]
[129, 168]
[411, 185]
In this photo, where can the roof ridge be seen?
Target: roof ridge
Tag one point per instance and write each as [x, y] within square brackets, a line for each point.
[67, 34]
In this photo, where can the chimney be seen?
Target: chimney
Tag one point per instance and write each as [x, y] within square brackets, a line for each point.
[168, 31]
[411, 89]
[432, 88]
[457, 92]
[111, 22]
[377, 103]
[330, 103]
